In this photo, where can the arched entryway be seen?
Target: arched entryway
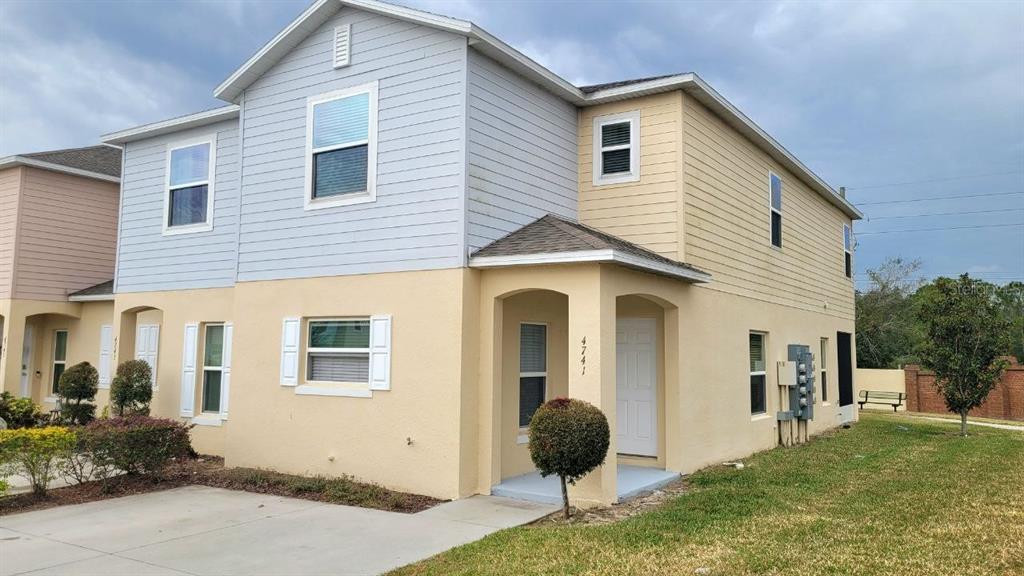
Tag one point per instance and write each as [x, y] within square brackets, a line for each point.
[139, 337]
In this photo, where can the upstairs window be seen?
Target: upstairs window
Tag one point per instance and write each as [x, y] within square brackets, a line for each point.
[616, 148]
[775, 208]
[189, 200]
[342, 149]
[848, 250]
[339, 351]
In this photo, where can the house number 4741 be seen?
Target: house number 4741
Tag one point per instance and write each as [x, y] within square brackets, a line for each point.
[583, 356]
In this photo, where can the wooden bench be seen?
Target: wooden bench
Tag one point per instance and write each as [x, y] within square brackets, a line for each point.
[894, 399]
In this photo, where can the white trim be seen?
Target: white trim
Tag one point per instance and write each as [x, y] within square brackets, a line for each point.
[764, 354]
[189, 359]
[526, 429]
[207, 225]
[380, 352]
[847, 230]
[368, 351]
[342, 33]
[12, 161]
[53, 358]
[105, 361]
[178, 124]
[368, 195]
[606, 255]
[207, 419]
[522, 438]
[291, 337]
[599, 178]
[324, 389]
[91, 298]
[204, 368]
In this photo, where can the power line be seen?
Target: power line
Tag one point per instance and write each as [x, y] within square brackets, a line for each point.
[859, 234]
[871, 219]
[940, 198]
[951, 178]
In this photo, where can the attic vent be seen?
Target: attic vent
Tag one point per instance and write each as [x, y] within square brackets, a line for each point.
[341, 45]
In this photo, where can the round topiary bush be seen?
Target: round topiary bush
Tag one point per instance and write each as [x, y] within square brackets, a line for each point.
[569, 438]
[132, 388]
[78, 386]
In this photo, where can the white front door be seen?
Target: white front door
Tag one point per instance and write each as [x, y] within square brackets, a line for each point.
[636, 363]
[26, 362]
[147, 343]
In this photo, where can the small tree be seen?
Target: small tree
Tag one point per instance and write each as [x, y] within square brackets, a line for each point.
[132, 388]
[78, 386]
[569, 438]
[965, 337]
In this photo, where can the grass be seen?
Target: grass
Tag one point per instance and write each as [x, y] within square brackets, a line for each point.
[892, 495]
[956, 418]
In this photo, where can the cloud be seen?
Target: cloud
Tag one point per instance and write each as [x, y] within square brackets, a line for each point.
[68, 92]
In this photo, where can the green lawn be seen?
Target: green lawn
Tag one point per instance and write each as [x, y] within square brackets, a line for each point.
[892, 495]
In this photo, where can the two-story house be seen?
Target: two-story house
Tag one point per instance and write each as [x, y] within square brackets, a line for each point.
[58, 233]
[402, 235]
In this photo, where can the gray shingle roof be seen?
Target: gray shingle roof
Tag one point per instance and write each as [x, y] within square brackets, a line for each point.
[100, 159]
[552, 234]
[597, 87]
[101, 289]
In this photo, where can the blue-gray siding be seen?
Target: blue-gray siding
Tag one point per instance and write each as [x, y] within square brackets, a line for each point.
[522, 152]
[417, 219]
[147, 260]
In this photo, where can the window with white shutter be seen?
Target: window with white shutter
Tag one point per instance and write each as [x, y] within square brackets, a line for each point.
[106, 354]
[189, 353]
[290, 352]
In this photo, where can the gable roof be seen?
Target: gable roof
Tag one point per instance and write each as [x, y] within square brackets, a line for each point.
[555, 240]
[482, 41]
[101, 291]
[185, 122]
[99, 162]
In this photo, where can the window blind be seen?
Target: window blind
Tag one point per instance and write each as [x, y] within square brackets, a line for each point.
[533, 341]
[333, 367]
[190, 164]
[341, 121]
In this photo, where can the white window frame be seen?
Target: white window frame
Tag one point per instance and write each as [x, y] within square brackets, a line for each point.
[53, 356]
[764, 351]
[202, 389]
[772, 210]
[848, 231]
[168, 230]
[524, 431]
[823, 371]
[370, 194]
[599, 179]
[330, 387]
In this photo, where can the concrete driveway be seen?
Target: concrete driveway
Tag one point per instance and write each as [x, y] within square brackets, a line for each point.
[202, 530]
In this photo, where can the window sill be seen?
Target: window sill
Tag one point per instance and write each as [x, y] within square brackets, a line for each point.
[343, 200]
[188, 229]
[331, 389]
[613, 180]
[50, 400]
[759, 417]
[524, 436]
[207, 420]
[826, 403]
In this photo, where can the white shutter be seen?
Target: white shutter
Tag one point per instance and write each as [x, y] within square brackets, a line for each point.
[342, 35]
[380, 352]
[290, 352]
[225, 377]
[188, 369]
[106, 353]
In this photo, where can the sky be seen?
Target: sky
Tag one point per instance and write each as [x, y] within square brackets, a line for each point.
[899, 102]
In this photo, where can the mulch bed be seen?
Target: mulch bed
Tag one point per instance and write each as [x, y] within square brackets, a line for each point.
[618, 512]
[210, 471]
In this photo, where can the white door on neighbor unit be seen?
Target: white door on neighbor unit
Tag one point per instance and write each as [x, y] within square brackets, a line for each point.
[26, 362]
[636, 364]
[147, 343]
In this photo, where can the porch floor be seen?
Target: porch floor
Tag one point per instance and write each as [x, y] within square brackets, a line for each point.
[631, 481]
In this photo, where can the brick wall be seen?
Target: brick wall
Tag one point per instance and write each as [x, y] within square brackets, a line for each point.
[1006, 401]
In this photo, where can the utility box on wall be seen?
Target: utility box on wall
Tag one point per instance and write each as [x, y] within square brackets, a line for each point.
[797, 374]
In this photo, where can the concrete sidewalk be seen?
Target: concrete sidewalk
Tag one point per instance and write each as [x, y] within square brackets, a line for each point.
[201, 530]
[970, 422]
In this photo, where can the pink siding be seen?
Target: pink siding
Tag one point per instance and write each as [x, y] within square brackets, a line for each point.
[10, 181]
[67, 234]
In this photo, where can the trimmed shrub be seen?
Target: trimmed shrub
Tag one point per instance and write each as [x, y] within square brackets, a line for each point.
[136, 444]
[568, 438]
[19, 412]
[35, 453]
[78, 386]
[132, 388]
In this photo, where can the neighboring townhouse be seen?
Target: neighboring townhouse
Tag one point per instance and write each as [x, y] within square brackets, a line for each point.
[402, 236]
[58, 235]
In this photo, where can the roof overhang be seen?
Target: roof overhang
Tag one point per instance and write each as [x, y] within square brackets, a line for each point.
[92, 298]
[173, 125]
[607, 256]
[13, 161]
